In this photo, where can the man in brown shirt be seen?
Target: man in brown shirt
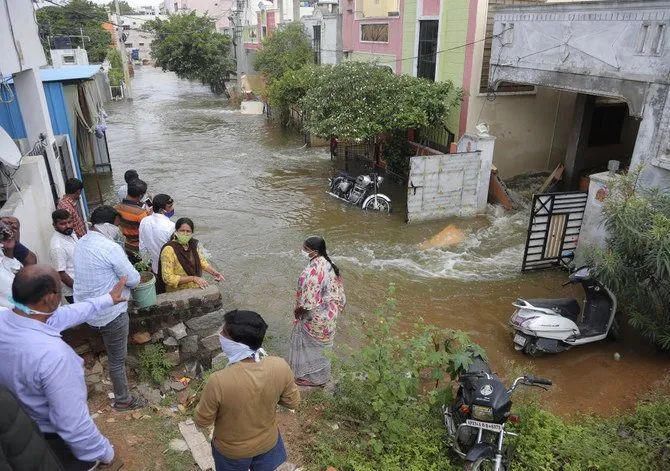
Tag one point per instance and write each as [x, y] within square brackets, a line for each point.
[241, 400]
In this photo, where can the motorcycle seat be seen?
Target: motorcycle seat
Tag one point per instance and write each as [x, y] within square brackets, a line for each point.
[567, 307]
[345, 175]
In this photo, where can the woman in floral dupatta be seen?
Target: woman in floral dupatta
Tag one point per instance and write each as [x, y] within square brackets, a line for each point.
[319, 300]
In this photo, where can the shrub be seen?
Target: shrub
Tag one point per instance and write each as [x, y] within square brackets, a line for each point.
[288, 48]
[154, 366]
[636, 261]
[388, 396]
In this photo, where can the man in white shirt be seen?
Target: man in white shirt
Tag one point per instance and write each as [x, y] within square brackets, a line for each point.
[122, 191]
[99, 263]
[157, 229]
[61, 250]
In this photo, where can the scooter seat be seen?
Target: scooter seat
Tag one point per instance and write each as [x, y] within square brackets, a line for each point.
[566, 307]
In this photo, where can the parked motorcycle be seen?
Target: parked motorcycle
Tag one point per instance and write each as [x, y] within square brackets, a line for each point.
[555, 325]
[361, 191]
[476, 419]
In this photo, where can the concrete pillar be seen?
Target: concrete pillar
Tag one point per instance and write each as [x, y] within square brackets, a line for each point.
[485, 144]
[592, 234]
[296, 10]
[578, 139]
[36, 118]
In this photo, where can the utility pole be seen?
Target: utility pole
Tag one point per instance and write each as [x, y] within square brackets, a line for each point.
[238, 26]
[120, 45]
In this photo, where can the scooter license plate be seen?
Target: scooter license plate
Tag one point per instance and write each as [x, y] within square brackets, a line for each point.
[520, 340]
[484, 425]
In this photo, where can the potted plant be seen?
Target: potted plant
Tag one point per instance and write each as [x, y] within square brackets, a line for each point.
[144, 294]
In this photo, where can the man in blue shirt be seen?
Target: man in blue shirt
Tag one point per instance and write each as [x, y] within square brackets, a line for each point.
[44, 373]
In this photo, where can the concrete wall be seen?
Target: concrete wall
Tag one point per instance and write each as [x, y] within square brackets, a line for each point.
[32, 205]
[450, 184]
[19, 40]
[139, 39]
[593, 233]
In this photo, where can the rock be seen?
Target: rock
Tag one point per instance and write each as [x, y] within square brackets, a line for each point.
[170, 342]
[206, 323]
[211, 343]
[177, 331]
[83, 348]
[139, 338]
[93, 379]
[96, 369]
[177, 386]
[99, 388]
[193, 369]
[157, 336]
[165, 386]
[219, 361]
[111, 420]
[286, 466]
[200, 447]
[103, 360]
[189, 344]
[152, 395]
[172, 357]
[178, 445]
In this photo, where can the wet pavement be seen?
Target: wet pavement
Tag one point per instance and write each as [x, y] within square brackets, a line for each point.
[255, 193]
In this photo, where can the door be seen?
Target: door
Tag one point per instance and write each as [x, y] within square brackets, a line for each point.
[427, 57]
[553, 230]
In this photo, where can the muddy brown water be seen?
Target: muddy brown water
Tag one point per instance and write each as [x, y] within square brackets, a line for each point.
[255, 194]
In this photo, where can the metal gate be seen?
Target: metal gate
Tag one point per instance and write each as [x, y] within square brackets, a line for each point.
[553, 230]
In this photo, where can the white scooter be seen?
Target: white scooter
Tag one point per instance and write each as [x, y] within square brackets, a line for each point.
[555, 325]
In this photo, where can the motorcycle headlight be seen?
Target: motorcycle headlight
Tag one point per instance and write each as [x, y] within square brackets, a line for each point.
[380, 180]
[482, 413]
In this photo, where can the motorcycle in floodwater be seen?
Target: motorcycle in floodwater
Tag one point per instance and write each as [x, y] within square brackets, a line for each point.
[476, 419]
[361, 191]
[554, 325]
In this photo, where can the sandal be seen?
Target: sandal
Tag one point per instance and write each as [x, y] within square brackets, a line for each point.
[134, 403]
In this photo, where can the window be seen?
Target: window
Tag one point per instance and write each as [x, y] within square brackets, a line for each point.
[176, 6]
[264, 31]
[141, 44]
[486, 64]
[425, 64]
[68, 59]
[128, 45]
[376, 33]
[126, 27]
[317, 44]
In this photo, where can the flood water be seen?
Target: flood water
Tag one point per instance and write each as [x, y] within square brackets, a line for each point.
[255, 193]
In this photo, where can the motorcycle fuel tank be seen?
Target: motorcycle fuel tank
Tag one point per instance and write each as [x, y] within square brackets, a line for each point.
[487, 397]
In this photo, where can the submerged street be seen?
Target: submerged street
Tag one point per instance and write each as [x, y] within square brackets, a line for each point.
[255, 194]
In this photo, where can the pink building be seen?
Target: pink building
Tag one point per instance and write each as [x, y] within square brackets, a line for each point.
[372, 31]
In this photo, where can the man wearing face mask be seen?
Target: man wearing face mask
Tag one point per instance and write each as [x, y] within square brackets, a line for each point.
[157, 229]
[44, 373]
[99, 263]
[241, 400]
[61, 250]
[8, 265]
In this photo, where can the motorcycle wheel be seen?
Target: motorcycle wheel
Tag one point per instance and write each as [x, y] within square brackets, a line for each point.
[482, 464]
[378, 204]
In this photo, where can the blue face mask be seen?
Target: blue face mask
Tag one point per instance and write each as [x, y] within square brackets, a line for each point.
[169, 213]
[26, 310]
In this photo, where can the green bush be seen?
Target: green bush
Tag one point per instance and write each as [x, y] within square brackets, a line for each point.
[637, 441]
[388, 397]
[115, 67]
[635, 263]
[288, 48]
[154, 366]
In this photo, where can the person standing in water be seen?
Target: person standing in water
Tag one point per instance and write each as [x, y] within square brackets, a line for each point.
[319, 300]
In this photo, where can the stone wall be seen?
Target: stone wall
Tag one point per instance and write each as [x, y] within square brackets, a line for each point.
[200, 309]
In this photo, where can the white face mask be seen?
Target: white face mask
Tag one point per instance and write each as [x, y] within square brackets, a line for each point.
[108, 230]
[306, 254]
[237, 352]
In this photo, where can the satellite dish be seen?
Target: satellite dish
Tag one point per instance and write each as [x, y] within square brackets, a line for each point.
[9, 153]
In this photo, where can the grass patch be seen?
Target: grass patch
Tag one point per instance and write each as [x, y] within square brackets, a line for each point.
[154, 366]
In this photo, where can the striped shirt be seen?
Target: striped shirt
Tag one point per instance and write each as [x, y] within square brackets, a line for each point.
[68, 203]
[131, 213]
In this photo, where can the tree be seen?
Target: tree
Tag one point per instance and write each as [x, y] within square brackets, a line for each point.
[74, 19]
[124, 8]
[359, 100]
[635, 263]
[291, 88]
[286, 49]
[190, 46]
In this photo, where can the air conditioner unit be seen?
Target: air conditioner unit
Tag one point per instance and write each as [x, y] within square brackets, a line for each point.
[394, 13]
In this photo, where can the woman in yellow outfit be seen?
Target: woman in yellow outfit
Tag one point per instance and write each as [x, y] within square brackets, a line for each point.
[181, 264]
